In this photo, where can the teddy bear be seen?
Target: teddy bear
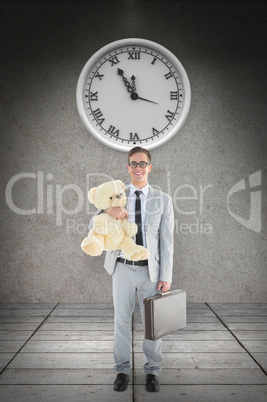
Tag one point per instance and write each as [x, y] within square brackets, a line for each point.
[109, 233]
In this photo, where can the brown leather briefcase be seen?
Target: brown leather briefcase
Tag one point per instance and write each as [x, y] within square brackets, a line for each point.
[164, 314]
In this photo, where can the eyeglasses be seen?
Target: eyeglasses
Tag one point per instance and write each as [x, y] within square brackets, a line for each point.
[142, 165]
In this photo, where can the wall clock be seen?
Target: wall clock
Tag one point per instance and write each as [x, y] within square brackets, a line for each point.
[133, 92]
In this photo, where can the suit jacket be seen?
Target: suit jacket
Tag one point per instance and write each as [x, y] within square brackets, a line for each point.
[159, 224]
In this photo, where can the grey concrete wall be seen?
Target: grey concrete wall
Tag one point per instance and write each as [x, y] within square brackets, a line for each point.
[220, 230]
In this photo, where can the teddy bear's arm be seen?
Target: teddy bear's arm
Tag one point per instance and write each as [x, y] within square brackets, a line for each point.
[130, 228]
[91, 222]
[101, 224]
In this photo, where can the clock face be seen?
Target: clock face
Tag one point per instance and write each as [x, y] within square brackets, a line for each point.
[133, 92]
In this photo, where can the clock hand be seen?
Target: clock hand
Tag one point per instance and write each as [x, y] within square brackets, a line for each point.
[132, 88]
[126, 83]
[135, 96]
[133, 83]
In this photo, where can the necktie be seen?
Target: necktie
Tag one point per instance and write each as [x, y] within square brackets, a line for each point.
[138, 218]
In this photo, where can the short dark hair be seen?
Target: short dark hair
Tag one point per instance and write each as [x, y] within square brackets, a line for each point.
[136, 150]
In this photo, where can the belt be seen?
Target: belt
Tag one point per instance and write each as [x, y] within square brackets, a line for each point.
[138, 263]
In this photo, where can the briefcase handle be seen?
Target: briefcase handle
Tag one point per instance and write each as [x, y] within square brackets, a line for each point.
[165, 293]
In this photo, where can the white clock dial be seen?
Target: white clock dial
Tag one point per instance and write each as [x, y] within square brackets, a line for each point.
[133, 92]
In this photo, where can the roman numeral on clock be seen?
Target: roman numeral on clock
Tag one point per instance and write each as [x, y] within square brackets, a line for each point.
[169, 115]
[134, 55]
[174, 95]
[134, 136]
[167, 76]
[98, 115]
[114, 60]
[99, 75]
[94, 96]
[112, 130]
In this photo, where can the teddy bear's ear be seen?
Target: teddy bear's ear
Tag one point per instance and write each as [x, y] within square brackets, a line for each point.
[91, 194]
[121, 184]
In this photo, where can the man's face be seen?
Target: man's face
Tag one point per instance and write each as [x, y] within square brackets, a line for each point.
[139, 175]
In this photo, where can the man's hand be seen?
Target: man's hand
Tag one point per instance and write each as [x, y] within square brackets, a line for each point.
[164, 286]
[117, 212]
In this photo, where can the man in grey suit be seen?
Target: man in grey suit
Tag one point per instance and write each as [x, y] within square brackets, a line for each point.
[146, 277]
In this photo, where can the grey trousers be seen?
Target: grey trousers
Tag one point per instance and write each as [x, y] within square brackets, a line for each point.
[127, 280]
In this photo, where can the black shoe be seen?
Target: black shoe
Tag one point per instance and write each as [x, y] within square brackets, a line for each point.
[152, 384]
[121, 382]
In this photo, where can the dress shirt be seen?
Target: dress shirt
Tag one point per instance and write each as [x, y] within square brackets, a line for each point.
[130, 206]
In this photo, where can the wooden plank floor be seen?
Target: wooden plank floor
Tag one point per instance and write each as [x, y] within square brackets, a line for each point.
[64, 352]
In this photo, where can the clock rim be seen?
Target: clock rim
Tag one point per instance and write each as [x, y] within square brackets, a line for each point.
[109, 47]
